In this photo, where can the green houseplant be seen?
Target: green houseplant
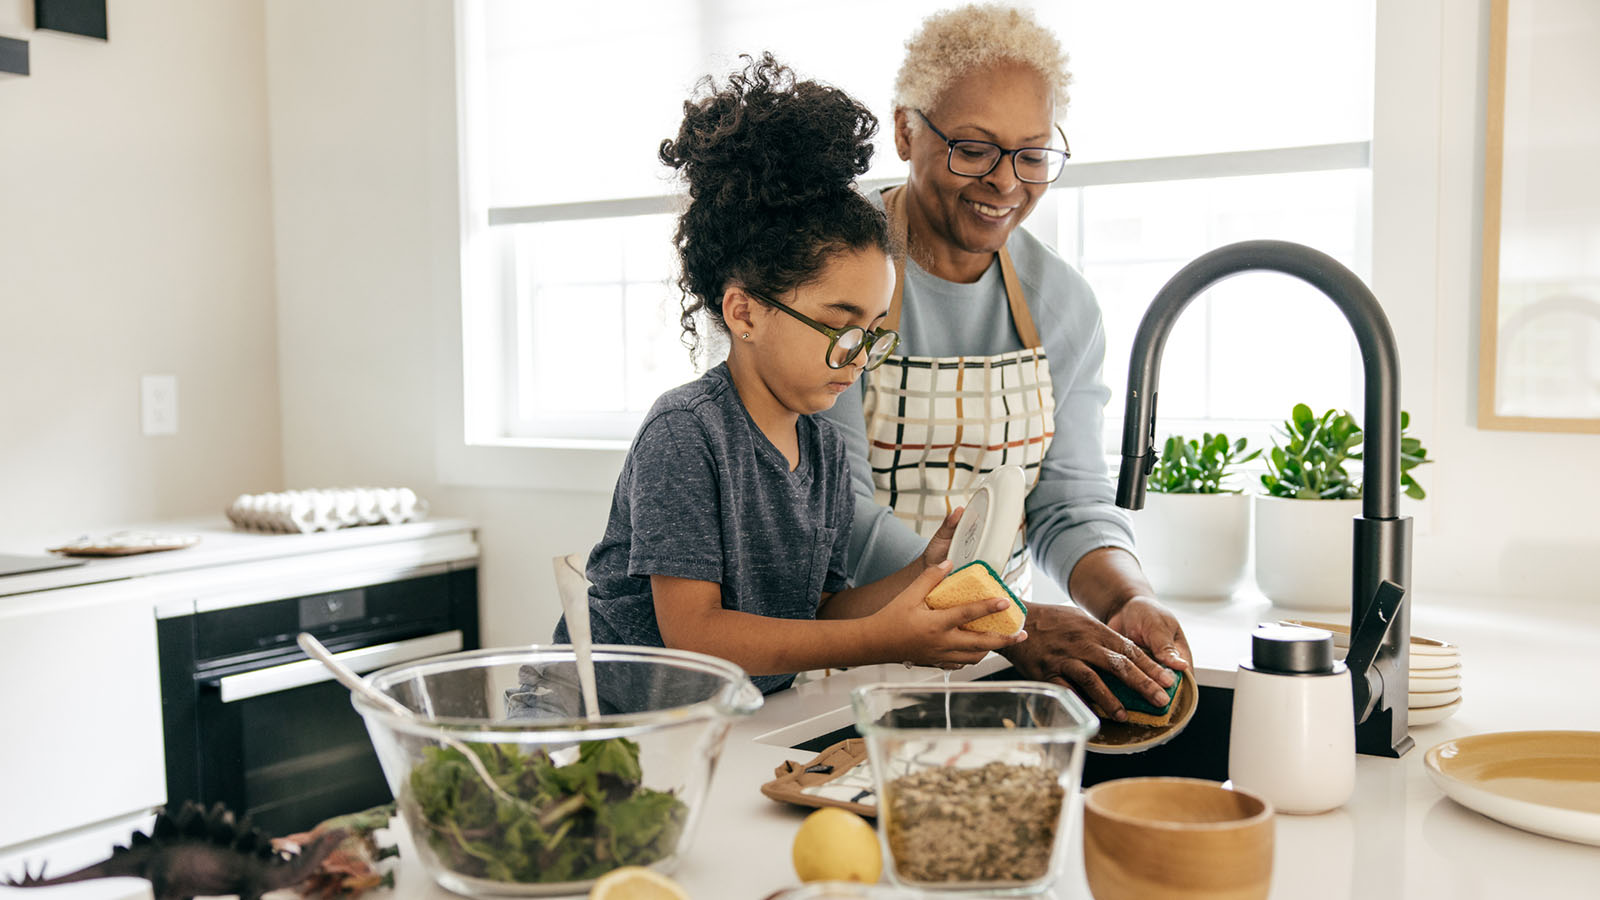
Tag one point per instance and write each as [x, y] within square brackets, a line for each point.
[1309, 464]
[1198, 467]
[1194, 532]
[1303, 549]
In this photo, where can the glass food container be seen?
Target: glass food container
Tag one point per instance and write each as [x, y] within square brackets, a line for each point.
[579, 796]
[974, 781]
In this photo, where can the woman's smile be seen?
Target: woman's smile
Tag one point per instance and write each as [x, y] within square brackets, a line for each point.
[991, 214]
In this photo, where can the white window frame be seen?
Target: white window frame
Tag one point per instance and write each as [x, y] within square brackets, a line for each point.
[1403, 156]
[1274, 161]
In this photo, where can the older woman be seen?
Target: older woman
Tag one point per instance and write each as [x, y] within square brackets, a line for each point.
[1000, 357]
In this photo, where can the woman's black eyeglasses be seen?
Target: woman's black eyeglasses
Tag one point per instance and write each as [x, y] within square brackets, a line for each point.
[975, 159]
[845, 344]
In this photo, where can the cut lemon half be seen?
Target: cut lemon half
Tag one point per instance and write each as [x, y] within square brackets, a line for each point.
[636, 883]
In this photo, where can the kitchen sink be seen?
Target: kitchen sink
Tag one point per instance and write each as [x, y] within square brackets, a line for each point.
[1200, 751]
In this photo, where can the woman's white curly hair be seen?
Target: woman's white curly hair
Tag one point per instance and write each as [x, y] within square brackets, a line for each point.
[951, 43]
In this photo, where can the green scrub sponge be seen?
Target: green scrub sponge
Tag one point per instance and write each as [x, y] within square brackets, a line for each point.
[1140, 710]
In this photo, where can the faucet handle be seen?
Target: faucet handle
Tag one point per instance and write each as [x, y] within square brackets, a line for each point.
[1365, 642]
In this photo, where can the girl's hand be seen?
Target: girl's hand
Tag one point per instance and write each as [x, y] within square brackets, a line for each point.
[908, 630]
[938, 549]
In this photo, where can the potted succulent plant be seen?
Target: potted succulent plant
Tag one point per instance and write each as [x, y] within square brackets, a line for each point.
[1303, 521]
[1194, 532]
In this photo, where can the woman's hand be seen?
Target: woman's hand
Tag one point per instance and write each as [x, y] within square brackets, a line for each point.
[1147, 623]
[1074, 649]
[938, 549]
[906, 629]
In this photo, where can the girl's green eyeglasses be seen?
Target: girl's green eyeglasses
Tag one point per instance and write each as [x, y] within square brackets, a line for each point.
[845, 344]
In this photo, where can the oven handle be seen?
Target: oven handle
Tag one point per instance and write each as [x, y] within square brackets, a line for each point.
[308, 671]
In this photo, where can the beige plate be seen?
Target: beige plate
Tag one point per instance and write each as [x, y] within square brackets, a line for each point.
[1432, 715]
[1430, 700]
[126, 543]
[1547, 782]
[1420, 646]
[1125, 737]
[1421, 665]
[1426, 681]
[1421, 683]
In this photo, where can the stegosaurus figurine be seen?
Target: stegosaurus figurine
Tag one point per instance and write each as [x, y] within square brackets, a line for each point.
[201, 852]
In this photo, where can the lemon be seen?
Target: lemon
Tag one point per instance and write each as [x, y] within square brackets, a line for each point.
[636, 883]
[835, 845]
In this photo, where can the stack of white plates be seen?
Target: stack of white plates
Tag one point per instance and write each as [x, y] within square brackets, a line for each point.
[1434, 691]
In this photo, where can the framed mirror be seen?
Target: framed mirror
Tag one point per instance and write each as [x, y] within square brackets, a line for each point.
[1539, 351]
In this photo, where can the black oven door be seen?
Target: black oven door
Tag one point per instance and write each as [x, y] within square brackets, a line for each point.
[252, 723]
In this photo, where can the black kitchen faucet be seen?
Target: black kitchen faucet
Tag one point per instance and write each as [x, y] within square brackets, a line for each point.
[1382, 537]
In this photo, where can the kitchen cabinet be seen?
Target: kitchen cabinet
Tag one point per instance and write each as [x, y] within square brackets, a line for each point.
[82, 707]
[83, 753]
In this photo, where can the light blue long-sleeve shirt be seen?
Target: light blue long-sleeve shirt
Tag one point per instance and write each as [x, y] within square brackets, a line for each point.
[1072, 509]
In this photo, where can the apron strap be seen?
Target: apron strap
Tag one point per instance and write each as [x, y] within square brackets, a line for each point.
[1021, 316]
[897, 236]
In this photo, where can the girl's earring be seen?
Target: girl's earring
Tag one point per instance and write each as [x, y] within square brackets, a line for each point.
[747, 335]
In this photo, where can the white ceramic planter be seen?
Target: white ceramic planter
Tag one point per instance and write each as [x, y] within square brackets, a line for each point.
[1303, 551]
[1194, 546]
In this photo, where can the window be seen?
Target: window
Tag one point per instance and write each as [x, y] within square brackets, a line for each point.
[1192, 125]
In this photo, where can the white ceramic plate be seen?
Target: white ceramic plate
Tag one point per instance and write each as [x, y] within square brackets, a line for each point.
[1421, 666]
[988, 527]
[1428, 681]
[1432, 715]
[1547, 782]
[1420, 646]
[1430, 700]
[1434, 663]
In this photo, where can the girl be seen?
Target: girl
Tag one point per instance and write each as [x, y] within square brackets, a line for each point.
[730, 520]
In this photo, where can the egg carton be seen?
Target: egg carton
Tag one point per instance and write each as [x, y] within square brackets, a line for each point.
[328, 509]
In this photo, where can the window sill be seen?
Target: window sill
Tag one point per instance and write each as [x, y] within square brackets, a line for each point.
[556, 464]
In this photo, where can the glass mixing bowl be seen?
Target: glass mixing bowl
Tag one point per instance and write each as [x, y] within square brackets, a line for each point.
[974, 781]
[578, 796]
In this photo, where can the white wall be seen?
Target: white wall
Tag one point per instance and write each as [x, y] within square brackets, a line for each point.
[362, 130]
[1512, 512]
[135, 239]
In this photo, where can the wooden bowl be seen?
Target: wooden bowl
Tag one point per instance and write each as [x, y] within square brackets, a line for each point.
[1161, 838]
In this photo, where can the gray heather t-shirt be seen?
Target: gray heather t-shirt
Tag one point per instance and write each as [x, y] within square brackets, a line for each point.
[704, 495]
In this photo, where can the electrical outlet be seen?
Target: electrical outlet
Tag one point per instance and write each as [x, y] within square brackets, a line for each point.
[158, 405]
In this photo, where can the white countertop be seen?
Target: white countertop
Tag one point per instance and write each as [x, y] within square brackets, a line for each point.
[1526, 664]
[220, 544]
[1399, 837]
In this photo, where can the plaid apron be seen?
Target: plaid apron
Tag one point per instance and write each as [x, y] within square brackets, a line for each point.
[937, 425]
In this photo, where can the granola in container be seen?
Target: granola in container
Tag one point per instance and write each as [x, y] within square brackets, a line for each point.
[993, 823]
[972, 781]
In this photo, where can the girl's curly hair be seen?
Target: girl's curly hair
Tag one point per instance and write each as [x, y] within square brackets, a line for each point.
[770, 162]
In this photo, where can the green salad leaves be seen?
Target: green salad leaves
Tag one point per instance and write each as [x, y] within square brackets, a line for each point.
[580, 820]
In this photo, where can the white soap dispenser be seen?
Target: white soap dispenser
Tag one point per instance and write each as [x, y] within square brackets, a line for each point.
[1292, 739]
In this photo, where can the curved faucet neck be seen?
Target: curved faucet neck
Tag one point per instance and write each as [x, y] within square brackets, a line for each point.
[1379, 357]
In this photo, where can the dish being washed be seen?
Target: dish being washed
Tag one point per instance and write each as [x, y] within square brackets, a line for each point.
[993, 515]
[1128, 737]
[1546, 782]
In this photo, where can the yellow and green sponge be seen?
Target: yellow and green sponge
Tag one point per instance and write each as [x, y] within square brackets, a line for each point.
[976, 581]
